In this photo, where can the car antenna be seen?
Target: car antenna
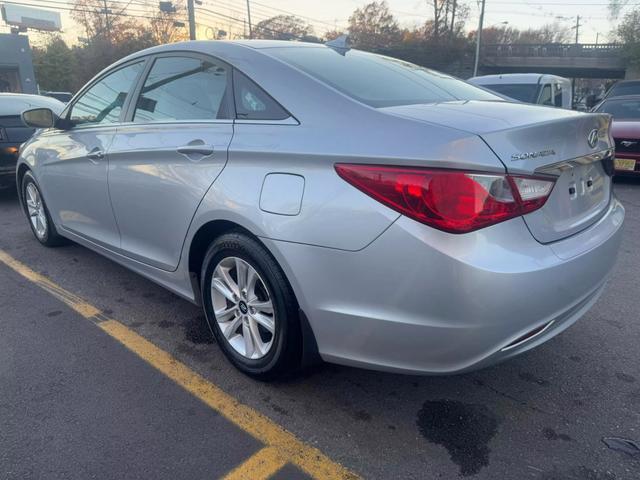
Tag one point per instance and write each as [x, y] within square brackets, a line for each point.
[340, 44]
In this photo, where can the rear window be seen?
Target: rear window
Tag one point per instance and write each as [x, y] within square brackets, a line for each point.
[621, 89]
[627, 109]
[525, 92]
[379, 81]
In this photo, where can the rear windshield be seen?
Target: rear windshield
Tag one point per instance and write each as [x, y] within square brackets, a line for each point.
[376, 80]
[525, 92]
[627, 109]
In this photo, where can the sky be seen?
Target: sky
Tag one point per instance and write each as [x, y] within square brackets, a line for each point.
[326, 15]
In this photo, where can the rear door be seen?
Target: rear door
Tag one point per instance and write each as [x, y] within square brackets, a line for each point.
[165, 157]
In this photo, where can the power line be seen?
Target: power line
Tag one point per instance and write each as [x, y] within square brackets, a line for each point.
[72, 9]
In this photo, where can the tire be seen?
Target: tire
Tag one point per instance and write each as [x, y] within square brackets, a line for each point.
[273, 353]
[35, 207]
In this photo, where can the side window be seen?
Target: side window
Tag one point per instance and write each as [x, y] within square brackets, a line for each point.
[558, 95]
[252, 102]
[545, 95]
[183, 88]
[103, 102]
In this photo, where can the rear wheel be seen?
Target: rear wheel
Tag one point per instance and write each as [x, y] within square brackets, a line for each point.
[250, 307]
[38, 215]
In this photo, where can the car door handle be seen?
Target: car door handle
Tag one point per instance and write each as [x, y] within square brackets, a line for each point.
[95, 154]
[190, 150]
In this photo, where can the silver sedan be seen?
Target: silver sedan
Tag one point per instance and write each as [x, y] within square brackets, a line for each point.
[322, 202]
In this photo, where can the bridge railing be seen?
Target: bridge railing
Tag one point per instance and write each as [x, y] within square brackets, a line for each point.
[552, 50]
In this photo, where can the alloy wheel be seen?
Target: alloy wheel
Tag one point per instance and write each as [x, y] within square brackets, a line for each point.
[37, 214]
[243, 308]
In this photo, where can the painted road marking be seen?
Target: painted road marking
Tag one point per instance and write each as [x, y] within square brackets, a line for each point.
[261, 465]
[281, 445]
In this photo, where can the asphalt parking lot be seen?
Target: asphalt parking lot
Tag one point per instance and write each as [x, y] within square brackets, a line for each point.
[105, 375]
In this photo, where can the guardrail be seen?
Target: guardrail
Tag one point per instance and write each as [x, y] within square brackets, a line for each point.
[552, 50]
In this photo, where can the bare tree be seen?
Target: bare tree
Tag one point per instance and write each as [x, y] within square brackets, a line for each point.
[448, 18]
[616, 7]
[168, 27]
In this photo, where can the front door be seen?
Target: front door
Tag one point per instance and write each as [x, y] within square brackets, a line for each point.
[75, 169]
[163, 161]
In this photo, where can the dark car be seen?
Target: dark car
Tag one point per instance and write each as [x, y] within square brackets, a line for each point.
[625, 131]
[623, 88]
[13, 132]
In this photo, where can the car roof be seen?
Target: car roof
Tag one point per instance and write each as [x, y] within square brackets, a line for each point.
[220, 47]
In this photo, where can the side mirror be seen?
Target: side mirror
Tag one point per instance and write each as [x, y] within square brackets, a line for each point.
[39, 118]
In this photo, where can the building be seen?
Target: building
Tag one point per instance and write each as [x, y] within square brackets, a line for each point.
[16, 64]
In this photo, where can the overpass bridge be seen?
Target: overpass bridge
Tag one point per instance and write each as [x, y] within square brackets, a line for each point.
[581, 60]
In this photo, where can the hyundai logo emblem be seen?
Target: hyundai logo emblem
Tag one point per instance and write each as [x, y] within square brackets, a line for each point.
[593, 138]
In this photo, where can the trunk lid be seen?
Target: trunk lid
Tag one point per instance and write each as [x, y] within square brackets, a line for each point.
[530, 139]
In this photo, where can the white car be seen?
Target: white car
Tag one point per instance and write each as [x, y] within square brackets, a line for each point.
[537, 88]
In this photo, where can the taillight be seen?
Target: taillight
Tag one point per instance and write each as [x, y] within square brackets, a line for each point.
[451, 200]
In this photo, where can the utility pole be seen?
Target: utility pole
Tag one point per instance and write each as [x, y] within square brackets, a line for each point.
[107, 21]
[577, 27]
[192, 19]
[249, 18]
[479, 40]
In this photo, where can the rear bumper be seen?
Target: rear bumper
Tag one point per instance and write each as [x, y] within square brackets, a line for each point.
[418, 300]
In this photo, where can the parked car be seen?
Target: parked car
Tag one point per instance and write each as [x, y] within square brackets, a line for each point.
[321, 199]
[537, 88]
[13, 132]
[623, 88]
[625, 131]
[64, 97]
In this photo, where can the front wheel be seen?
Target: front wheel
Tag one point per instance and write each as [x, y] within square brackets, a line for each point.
[38, 214]
[250, 307]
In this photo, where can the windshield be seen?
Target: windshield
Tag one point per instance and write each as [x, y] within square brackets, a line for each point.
[627, 109]
[376, 80]
[525, 92]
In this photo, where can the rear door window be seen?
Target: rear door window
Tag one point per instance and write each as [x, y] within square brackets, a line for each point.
[184, 88]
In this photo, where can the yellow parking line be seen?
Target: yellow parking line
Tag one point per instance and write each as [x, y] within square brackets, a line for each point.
[260, 466]
[282, 445]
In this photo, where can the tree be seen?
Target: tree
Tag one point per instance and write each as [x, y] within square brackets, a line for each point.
[109, 35]
[54, 66]
[615, 8]
[284, 27]
[445, 14]
[629, 34]
[373, 26]
[166, 27]
[105, 20]
[499, 35]
[549, 33]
